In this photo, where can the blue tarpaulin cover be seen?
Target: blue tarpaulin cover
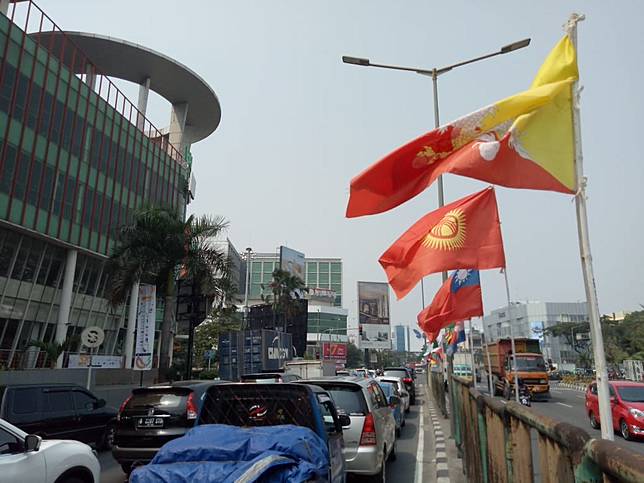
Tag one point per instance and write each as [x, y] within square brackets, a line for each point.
[221, 453]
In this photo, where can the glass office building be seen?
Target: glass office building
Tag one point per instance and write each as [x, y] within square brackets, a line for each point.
[76, 159]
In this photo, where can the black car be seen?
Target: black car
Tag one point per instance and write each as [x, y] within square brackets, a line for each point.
[58, 411]
[152, 416]
[407, 377]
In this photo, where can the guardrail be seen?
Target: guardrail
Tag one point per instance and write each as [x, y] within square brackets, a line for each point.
[437, 383]
[496, 441]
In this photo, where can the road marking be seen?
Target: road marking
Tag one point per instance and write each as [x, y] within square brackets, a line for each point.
[421, 449]
[563, 404]
[580, 397]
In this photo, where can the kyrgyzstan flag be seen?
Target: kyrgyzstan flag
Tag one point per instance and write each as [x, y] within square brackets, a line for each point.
[462, 234]
[523, 141]
[459, 298]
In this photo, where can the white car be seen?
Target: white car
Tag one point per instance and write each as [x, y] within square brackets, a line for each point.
[401, 388]
[30, 459]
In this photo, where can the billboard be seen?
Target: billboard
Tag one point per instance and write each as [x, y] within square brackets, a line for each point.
[145, 326]
[293, 262]
[334, 351]
[373, 302]
[375, 336]
[321, 295]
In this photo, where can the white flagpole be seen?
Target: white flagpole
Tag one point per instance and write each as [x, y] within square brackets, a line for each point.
[472, 355]
[514, 351]
[605, 413]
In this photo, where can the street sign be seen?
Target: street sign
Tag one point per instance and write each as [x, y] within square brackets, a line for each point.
[209, 355]
[92, 337]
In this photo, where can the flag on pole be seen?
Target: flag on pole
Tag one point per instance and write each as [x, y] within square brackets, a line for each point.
[459, 298]
[463, 234]
[524, 141]
[454, 337]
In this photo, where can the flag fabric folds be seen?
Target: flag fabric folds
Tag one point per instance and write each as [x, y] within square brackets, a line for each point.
[465, 234]
[454, 337]
[524, 141]
[459, 298]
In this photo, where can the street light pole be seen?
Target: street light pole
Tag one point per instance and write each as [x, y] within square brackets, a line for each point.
[248, 262]
[434, 73]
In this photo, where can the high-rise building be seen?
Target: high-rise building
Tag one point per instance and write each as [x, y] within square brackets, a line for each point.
[76, 159]
[529, 319]
[400, 338]
[321, 273]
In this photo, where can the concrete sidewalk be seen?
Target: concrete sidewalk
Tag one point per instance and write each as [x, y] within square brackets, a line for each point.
[443, 453]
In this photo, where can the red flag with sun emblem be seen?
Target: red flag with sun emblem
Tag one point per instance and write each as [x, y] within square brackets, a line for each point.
[464, 234]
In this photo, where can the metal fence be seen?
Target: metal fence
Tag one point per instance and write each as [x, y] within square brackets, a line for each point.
[511, 443]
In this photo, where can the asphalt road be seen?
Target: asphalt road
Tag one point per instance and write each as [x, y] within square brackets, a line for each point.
[568, 405]
[403, 470]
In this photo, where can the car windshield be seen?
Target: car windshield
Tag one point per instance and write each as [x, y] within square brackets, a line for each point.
[155, 399]
[529, 363]
[631, 393]
[347, 398]
[387, 388]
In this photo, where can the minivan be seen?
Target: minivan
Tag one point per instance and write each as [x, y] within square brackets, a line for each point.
[370, 439]
[58, 411]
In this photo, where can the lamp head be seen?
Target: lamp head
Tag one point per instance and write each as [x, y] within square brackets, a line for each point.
[355, 60]
[515, 46]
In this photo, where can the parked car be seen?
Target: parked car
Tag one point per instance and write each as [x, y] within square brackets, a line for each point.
[402, 391]
[269, 377]
[58, 411]
[27, 458]
[395, 403]
[407, 377]
[269, 405]
[627, 407]
[362, 372]
[152, 416]
[370, 438]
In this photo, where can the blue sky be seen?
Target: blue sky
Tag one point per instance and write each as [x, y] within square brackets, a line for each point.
[297, 125]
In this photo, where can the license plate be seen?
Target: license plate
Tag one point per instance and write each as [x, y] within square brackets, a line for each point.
[149, 422]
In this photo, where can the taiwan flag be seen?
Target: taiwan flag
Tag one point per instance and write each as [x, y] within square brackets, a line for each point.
[459, 298]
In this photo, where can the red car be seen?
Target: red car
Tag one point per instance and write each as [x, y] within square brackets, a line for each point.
[627, 405]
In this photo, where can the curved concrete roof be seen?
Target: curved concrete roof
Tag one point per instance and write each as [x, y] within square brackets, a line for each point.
[129, 61]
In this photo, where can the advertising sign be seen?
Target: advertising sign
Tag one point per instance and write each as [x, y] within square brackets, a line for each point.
[321, 294]
[145, 326]
[537, 331]
[277, 348]
[373, 303]
[77, 361]
[375, 336]
[293, 262]
[334, 351]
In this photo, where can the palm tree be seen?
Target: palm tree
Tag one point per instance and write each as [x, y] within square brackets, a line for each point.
[53, 349]
[286, 290]
[156, 248]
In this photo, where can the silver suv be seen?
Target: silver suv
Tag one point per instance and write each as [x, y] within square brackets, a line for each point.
[370, 439]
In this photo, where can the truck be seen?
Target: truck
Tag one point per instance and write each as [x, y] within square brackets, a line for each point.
[310, 369]
[530, 364]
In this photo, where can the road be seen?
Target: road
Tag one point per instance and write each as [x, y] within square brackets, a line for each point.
[403, 470]
[568, 405]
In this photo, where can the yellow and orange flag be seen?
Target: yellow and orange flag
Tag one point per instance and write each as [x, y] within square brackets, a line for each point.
[523, 141]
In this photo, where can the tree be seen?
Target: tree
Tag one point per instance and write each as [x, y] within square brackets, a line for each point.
[286, 291]
[355, 357]
[154, 248]
[53, 349]
[224, 316]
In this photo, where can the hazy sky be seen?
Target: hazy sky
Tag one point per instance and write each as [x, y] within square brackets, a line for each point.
[297, 125]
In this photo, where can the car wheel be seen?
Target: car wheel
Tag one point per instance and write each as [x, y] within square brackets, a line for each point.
[73, 479]
[623, 427]
[593, 420]
[106, 440]
[392, 453]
